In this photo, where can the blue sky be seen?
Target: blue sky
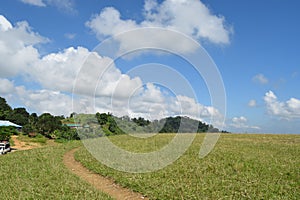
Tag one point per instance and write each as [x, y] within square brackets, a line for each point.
[254, 45]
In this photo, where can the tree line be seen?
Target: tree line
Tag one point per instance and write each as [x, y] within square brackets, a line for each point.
[99, 124]
[178, 124]
[46, 124]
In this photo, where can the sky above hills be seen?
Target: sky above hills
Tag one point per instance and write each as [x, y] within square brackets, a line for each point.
[53, 58]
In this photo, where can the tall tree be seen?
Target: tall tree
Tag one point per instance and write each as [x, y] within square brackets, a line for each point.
[5, 109]
[31, 127]
[102, 118]
[6, 132]
[141, 121]
[19, 116]
[47, 124]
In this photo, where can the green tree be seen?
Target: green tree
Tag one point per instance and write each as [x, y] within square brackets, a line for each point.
[202, 127]
[108, 124]
[47, 124]
[19, 116]
[5, 109]
[31, 126]
[33, 119]
[212, 129]
[6, 132]
[141, 121]
[112, 127]
[66, 133]
[102, 118]
[171, 125]
[73, 114]
[28, 128]
[184, 125]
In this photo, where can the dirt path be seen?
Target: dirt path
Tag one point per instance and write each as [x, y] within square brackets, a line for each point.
[106, 185]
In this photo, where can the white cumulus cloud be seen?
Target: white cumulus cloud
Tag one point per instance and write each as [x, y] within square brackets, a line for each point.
[286, 110]
[38, 101]
[17, 51]
[100, 85]
[252, 103]
[108, 22]
[242, 123]
[6, 86]
[57, 71]
[4, 24]
[239, 120]
[190, 17]
[260, 78]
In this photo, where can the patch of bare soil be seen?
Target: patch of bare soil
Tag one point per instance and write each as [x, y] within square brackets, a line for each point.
[102, 183]
[20, 145]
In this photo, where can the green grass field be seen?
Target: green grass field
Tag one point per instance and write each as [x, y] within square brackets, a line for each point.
[38, 139]
[241, 166]
[40, 174]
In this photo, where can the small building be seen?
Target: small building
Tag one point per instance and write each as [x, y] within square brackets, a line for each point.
[74, 125]
[8, 123]
[6, 131]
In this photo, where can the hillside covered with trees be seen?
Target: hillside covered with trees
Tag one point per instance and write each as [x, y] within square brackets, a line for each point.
[46, 124]
[93, 125]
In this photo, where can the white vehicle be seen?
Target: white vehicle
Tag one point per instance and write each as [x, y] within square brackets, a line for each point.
[4, 147]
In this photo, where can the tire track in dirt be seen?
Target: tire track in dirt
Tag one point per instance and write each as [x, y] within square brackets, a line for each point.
[102, 183]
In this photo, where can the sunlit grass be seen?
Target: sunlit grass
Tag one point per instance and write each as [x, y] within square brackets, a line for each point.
[42, 140]
[241, 166]
[141, 143]
[40, 174]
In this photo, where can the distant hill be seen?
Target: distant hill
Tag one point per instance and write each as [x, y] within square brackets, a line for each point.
[95, 125]
[107, 124]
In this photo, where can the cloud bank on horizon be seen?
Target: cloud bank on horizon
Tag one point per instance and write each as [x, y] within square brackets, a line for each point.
[43, 82]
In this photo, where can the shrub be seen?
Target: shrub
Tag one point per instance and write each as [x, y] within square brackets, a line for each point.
[6, 132]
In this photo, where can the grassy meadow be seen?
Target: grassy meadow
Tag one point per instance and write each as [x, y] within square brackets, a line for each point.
[241, 166]
[40, 174]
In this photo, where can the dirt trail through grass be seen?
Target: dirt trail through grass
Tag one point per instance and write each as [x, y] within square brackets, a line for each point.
[102, 183]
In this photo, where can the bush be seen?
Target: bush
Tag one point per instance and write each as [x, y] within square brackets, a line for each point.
[28, 128]
[66, 133]
[40, 139]
[6, 132]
